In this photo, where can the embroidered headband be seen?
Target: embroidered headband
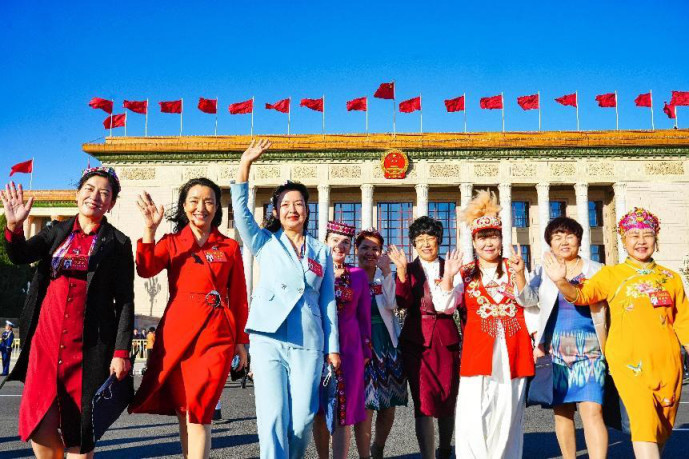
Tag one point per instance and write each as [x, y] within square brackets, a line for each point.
[486, 222]
[108, 170]
[638, 218]
[341, 228]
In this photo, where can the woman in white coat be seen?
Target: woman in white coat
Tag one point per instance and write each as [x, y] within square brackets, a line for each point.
[386, 385]
[575, 336]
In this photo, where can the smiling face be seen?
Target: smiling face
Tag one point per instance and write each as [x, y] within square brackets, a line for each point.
[340, 245]
[368, 253]
[292, 211]
[95, 198]
[426, 246]
[564, 245]
[200, 206]
[487, 245]
[640, 244]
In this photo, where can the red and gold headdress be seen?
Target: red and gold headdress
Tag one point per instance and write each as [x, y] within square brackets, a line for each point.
[341, 228]
[639, 218]
[483, 212]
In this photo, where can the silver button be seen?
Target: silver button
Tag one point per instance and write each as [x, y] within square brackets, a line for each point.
[300, 290]
[283, 286]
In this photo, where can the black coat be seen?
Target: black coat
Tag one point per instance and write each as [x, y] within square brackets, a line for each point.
[109, 312]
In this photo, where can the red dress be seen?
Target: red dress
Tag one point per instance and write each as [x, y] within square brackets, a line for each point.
[195, 340]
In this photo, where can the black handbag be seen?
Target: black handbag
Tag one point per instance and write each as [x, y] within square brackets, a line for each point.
[540, 386]
[110, 401]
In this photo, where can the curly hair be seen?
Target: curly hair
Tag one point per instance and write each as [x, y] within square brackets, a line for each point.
[179, 217]
[270, 222]
[426, 225]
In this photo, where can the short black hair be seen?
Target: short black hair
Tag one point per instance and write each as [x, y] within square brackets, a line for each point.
[563, 225]
[365, 234]
[271, 223]
[114, 184]
[426, 225]
[179, 217]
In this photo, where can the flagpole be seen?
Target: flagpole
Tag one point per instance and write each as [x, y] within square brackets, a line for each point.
[31, 177]
[125, 123]
[252, 115]
[113, 104]
[464, 97]
[394, 128]
[676, 126]
[502, 101]
[289, 111]
[323, 116]
[146, 122]
[653, 127]
[539, 111]
[217, 99]
[181, 113]
[421, 110]
[366, 117]
[576, 101]
[617, 116]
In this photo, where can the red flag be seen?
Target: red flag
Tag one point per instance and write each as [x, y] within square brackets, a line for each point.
[208, 105]
[410, 105]
[137, 107]
[643, 100]
[569, 99]
[242, 108]
[313, 104]
[385, 91]
[455, 105]
[173, 106]
[670, 111]
[607, 100]
[25, 168]
[103, 104]
[115, 121]
[529, 102]
[357, 104]
[281, 106]
[679, 98]
[491, 103]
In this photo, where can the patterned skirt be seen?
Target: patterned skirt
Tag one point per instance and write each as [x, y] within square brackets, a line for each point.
[578, 368]
[386, 385]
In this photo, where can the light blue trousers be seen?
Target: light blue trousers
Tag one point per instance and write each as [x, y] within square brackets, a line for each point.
[286, 389]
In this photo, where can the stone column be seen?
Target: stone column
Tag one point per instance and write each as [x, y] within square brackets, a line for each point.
[505, 190]
[421, 200]
[34, 227]
[247, 258]
[543, 192]
[367, 206]
[464, 232]
[26, 226]
[620, 189]
[323, 210]
[581, 191]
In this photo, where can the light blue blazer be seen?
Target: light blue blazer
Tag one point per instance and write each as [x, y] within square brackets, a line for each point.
[291, 301]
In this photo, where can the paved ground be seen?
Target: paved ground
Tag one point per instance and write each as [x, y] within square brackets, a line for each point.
[135, 436]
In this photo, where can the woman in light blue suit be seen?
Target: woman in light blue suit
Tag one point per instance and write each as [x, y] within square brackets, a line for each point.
[292, 321]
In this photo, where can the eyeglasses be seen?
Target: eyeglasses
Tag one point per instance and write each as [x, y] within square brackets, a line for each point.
[427, 240]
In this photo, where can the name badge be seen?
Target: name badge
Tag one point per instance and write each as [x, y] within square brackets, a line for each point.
[76, 263]
[343, 293]
[376, 289]
[216, 256]
[315, 267]
[660, 299]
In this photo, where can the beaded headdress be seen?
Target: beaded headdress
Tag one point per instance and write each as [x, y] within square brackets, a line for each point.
[639, 218]
[341, 228]
[482, 212]
[108, 170]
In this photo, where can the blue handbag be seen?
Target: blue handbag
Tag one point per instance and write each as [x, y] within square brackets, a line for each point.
[109, 402]
[540, 386]
[328, 396]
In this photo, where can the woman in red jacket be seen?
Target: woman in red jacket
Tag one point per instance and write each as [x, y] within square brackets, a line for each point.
[203, 325]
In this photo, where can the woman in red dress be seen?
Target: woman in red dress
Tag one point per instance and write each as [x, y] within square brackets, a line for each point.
[203, 325]
[76, 325]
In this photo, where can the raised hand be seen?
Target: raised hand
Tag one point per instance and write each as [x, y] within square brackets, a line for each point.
[516, 259]
[16, 210]
[554, 268]
[255, 150]
[384, 263]
[398, 257]
[152, 215]
[453, 262]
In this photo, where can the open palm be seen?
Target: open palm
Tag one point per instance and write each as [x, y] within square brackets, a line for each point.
[256, 150]
[16, 210]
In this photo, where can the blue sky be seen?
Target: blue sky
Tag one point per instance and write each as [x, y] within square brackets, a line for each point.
[56, 56]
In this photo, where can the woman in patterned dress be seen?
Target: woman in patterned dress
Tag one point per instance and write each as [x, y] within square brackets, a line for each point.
[648, 313]
[354, 324]
[386, 384]
[575, 336]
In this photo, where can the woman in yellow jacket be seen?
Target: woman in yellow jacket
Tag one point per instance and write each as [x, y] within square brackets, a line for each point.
[648, 312]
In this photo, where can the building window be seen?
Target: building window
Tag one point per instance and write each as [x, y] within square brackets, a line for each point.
[446, 213]
[394, 219]
[595, 214]
[349, 213]
[557, 209]
[598, 253]
[312, 228]
[526, 256]
[520, 214]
